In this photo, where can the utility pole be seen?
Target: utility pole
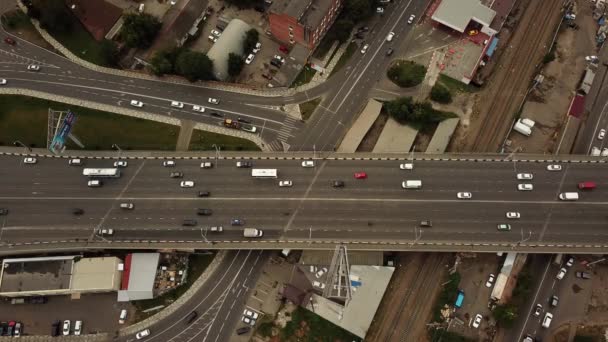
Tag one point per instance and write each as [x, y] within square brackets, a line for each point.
[19, 143]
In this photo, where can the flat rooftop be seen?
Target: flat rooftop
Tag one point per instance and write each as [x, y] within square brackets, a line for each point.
[36, 274]
[457, 14]
[308, 12]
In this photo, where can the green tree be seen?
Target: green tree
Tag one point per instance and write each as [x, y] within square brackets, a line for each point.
[54, 16]
[405, 110]
[109, 52]
[139, 30]
[505, 315]
[406, 73]
[340, 30]
[194, 66]
[235, 64]
[163, 61]
[358, 10]
[251, 38]
[440, 94]
[245, 3]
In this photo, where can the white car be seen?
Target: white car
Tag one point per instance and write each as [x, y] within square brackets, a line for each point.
[406, 166]
[602, 134]
[33, 67]
[525, 187]
[216, 33]
[30, 160]
[513, 215]
[554, 167]
[249, 128]
[213, 100]
[177, 104]
[390, 36]
[318, 284]
[122, 317]
[199, 109]
[186, 184]
[279, 58]
[75, 162]
[464, 195]
[561, 274]
[380, 10]
[364, 49]
[217, 229]
[248, 320]
[249, 58]
[285, 183]
[66, 327]
[169, 163]
[120, 163]
[142, 334]
[490, 280]
[251, 314]
[2, 81]
[308, 163]
[136, 103]
[477, 320]
[212, 38]
[605, 152]
[547, 320]
[570, 262]
[257, 48]
[411, 19]
[321, 272]
[206, 165]
[78, 328]
[521, 176]
[105, 231]
[591, 58]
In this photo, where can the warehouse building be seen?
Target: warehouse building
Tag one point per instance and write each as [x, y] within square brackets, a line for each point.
[62, 275]
[138, 277]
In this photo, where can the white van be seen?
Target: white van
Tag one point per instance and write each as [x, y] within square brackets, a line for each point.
[568, 196]
[252, 232]
[411, 184]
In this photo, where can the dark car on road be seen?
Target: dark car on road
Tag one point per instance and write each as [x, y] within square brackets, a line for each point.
[189, 223]
[204, 194]
[77, 211]
[216, 114]
[204, 212]
[10, 41]
[177, 175]
[389, 51]
[38, 300]
[239, 119]
[243, 330]
[237, 222]
[191, 317]
[3, 211]
[337, 184]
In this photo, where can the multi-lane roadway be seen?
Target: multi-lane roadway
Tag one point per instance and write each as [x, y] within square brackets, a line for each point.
[40, 199]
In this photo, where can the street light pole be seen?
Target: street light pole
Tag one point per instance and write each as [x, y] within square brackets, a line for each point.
[117, 148]
[217, 153]
[19, 143]
[204, 235]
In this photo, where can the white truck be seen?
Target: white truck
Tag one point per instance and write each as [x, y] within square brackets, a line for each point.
[252, 232]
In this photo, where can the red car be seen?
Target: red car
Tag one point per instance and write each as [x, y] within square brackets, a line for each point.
[10, 41]
[360, 175]
[283, 49]
[586, 185]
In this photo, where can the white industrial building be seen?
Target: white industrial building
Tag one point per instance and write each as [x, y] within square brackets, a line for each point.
[138, 276]
[231, 41]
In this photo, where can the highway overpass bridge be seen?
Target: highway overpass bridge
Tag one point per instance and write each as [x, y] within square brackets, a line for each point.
[375, 213]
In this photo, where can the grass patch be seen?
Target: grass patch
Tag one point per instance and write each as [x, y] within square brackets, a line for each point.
[307, 108]
[350, 50]
[19, 24]
[25, 119]
[305, 76]
[455, 85]
[307, 326]
[441, 335]
[197, 264]
[406, 74]
[81, 43]
[203, 140]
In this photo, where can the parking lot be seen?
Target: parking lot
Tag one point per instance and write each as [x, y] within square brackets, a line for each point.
[38, 318]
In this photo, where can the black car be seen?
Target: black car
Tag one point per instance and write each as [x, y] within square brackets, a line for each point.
[243, 330]
[55, 328]
[216, 114]
[189, 223]
[359, 35]
[243, 120]
[77, 211]
[204, 194]
[363, 29]
[337, 184]
[389, 51]
[204, 212]
[191, 317]
[38, 300]
[276, 63]
[177, 174]
[3, 211]
[3, 328]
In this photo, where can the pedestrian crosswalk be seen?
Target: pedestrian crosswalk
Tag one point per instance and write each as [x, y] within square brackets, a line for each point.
[275, 145]
[288, 125]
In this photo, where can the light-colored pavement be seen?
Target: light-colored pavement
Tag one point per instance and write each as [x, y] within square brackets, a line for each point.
[357, 132]
[395, 138]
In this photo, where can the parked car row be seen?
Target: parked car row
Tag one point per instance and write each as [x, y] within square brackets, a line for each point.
[11, 328]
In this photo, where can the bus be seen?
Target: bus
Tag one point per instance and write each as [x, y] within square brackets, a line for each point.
[264, 173]
[105, 172]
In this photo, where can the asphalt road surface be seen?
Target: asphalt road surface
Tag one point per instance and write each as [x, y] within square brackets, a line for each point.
[41, 197]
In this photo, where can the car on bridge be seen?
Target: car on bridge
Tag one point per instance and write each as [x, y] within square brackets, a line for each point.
[554, 167]
[136, 103]
[206, 165]
[360, 175]
[308, 163]
[127, 206]
[513, 215]
[186, 184]
[120, 163]
[337, 184]
[204, 212]
[213, 100]
[177, 104]
[237, 222]
[199, 109]
[30, 160]
[525, 187]
[105, 231]
[503, 226]
[176, 175]
[426, 223]
[217, 229]
[390, 36]
[33, 67]
[2, 81]
[601, 134]
[244, 164]
[204, 194]
[364, 49]
[75, 162]
[3, 211]
[406, 166]
[522, 176]
[10, 41]
[169, 163]
[77, 211]
[285, 183]
[464, 195]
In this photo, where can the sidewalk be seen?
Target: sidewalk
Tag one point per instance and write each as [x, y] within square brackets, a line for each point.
[357, 132]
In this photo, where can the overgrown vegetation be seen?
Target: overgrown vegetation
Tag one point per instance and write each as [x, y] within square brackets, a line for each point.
[550, 56]
[139, 30]
[252, 37]
[203, 140]
[242, 4]
[307, 108]
[506, 314]
[441, 335]
[192, 65]
[305, 76]
[448, 295]
[583, 338]
[441, 94]
[419, 114]
[235, 64]
[406, 73]
[313, 328]
[455, 85]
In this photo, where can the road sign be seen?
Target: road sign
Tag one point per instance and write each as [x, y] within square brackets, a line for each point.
[58, 144]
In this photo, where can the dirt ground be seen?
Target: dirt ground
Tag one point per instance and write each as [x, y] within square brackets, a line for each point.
[549, 102]
[512, 68]
[407, 305]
